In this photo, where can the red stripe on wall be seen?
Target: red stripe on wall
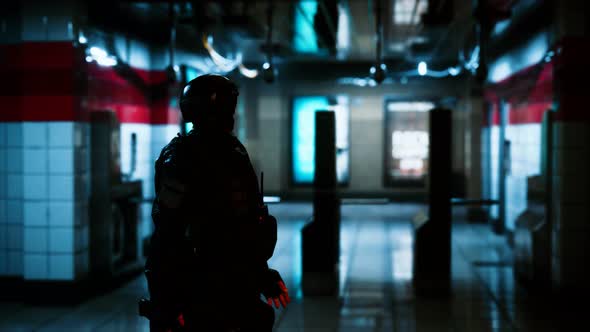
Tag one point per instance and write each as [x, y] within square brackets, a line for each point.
[164, 113]
[495, 115]
[10, 108]
[141, 97]
[126, 113]
[40, 55]
[528, 93]
[529, 113]
[50, 108]
[39, 82]
[51, 81]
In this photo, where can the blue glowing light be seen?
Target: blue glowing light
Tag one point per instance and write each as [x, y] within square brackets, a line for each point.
[188, 126]
[535, 50]
[454, 71]
[500, 70]
[422, 68]
[191, 73]
[304, 109]
[305, 40]
[303, 136]
[101, 57]
[98, 52]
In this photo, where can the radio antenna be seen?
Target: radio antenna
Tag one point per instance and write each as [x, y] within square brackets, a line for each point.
[262, 188]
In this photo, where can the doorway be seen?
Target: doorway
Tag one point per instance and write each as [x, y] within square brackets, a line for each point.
[406, 143]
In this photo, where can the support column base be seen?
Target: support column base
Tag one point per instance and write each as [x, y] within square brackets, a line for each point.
[320, 284]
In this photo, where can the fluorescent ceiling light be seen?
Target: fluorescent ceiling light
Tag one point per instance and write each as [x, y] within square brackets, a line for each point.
[249, 73]
[403, 10]
[272, 199]
[414, 106]
[422, 68]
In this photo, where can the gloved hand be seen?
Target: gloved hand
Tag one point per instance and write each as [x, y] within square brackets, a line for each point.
[274, 289]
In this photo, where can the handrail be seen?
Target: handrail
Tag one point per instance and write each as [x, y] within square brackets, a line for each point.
[474, 201]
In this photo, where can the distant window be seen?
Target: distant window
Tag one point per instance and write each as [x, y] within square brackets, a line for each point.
[403, 10]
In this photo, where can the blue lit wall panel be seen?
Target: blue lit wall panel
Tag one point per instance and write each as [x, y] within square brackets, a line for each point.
[304, 39]
[303, 136]
[191, 73]
[304, 109]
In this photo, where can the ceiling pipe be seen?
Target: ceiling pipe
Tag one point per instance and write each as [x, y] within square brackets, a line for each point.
[378, 29]
[487, 13]
[268, 70]
[171, 70]
[378, 71]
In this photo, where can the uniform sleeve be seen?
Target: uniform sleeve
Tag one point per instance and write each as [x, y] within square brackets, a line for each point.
[168, 251]
[171, 185]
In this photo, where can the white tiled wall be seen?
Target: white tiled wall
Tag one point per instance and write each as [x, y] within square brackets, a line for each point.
[494, 133]
[525, 156]
[11, 199]
[44, 191]
[43, 182]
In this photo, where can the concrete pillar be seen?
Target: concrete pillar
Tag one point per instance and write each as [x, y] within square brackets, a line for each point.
[269, 155]
[432, 237]
[321, 238]
[474, 108]
[571, 150]
[43, 147]
[458, 159]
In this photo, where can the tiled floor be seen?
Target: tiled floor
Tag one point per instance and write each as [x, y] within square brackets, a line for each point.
[376, 294]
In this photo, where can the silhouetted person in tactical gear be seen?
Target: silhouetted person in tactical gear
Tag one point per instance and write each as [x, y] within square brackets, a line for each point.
[207, 264]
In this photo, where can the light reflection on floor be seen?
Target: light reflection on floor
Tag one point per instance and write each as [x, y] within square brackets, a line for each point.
[375, 277]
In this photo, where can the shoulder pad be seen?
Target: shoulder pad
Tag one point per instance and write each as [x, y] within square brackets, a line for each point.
[171, 154]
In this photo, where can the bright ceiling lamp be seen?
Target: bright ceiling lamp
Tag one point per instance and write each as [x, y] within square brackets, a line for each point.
[454, 71]
[221, 62]
[101, 57]
[225, 64]
[422, 68]
[249, 73]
